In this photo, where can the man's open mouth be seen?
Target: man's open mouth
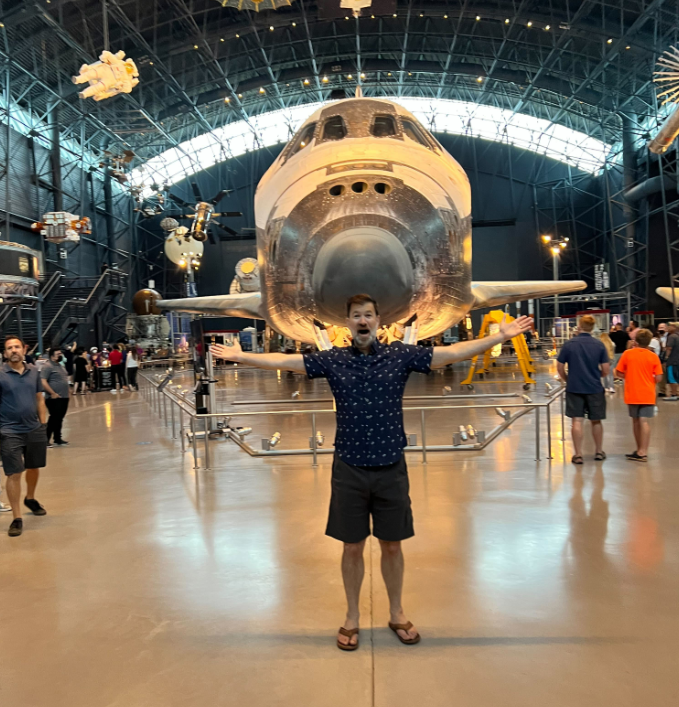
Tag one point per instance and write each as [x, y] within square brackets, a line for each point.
[364, 332]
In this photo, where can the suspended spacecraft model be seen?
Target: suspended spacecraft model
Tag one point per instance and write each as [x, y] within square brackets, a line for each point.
[60, 226]
[668, 79]
[365, 199]
[108, 77]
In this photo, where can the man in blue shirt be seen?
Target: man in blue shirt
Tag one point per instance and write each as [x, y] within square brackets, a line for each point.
[587, 361]
[23, 440]
[369, 473]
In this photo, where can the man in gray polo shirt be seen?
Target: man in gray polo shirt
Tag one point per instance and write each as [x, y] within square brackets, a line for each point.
[55, 382]
[23, 440]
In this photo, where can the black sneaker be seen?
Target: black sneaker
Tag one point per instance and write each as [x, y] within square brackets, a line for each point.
[15, 528]
[34, 506]
[49, 445]
[61, 443]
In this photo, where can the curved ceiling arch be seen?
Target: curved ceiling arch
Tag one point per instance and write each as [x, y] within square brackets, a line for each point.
[577, 63]
[456, 117]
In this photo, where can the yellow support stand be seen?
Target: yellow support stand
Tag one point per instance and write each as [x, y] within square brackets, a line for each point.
[526, 363]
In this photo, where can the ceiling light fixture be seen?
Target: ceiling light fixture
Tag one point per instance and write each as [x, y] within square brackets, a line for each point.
[547, 27]
[478, 18]
[479, 78]
[529, 24]
[306, 82]
[270, 28]
[325, 79]
[507, 21]
[609, 41]
[261, 90]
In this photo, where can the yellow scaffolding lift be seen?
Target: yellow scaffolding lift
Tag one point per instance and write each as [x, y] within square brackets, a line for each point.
[526, 363]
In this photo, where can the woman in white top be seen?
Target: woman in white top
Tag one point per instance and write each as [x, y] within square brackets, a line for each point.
[131, 367]
[655, 345]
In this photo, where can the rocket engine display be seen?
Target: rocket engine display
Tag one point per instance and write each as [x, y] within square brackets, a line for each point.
[364, 199]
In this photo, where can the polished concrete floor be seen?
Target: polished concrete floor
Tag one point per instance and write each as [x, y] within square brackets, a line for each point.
[150, 584]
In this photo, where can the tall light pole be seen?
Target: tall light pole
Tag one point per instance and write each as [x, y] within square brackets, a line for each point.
[556, 245]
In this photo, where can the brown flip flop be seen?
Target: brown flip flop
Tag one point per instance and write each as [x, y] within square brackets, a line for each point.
[404, 627]
[348, 632]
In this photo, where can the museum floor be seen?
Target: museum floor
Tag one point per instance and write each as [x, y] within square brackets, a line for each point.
[151, 585]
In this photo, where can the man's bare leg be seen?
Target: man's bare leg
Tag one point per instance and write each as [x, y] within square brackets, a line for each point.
[353, 569]
[576, 432]
[598, 434]
[392, 565]
[13, 488]
[637, 432]
[644, 436]
[32, 476]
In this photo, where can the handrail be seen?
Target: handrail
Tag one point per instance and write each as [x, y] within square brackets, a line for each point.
[155, 393]
[81, 302]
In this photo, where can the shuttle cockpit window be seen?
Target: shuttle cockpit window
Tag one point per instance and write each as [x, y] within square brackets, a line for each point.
[383, 126]
[415, 132]
[334, 129]
[303, 140]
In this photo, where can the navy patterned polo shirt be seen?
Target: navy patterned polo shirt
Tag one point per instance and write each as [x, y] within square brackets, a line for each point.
[368, 394]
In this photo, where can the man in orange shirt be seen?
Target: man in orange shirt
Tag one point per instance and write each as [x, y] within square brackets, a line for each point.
[641, 369]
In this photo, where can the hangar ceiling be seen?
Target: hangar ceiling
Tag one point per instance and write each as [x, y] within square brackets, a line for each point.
[579, 63]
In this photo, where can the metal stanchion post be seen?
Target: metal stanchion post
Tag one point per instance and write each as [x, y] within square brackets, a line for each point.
[313, 438]
[181, 428]
[195, 447]
[549, 429]
[424, 438]
[207, 442]
[165, 408]
[174, 436]
[537, 434]
[563, 422]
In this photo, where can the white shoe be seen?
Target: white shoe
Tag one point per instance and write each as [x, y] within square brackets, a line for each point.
[4, 507]
[670, 399]
[114, 392]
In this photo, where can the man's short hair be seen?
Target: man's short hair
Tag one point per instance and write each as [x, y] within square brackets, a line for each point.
[53, 350]
[587, 322]
[618, 325]
[644, 337]
[11, 337]
[633, 323]
[359, 300]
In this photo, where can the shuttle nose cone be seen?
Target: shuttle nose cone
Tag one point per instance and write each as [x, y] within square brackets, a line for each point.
[367, 260]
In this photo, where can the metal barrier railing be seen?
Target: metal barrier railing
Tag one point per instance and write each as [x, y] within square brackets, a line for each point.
[158, 395]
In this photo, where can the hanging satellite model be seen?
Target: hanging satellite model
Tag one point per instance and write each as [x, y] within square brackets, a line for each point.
[668, 78]
[183, 250]
[107, 77]
[60, 226]
[247, 277]
[116, 164]
[147, 327]
[204, 216]
[355, 6]
[255, 5]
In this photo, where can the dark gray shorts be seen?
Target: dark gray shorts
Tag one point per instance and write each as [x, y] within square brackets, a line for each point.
[358, 493]
[641, 410]
[590, 405]
[23, 451]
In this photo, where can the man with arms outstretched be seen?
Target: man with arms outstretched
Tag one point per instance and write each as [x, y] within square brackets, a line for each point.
[369, 474]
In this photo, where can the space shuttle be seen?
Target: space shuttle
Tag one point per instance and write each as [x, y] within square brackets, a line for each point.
[364, 199]
[666, 293]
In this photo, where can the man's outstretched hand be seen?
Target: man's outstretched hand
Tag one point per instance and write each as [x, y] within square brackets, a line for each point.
[228, 353]
[511, 329]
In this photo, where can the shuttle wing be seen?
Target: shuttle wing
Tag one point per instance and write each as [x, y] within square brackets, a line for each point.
[490, 294]
[246, 305]
[666, 293]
